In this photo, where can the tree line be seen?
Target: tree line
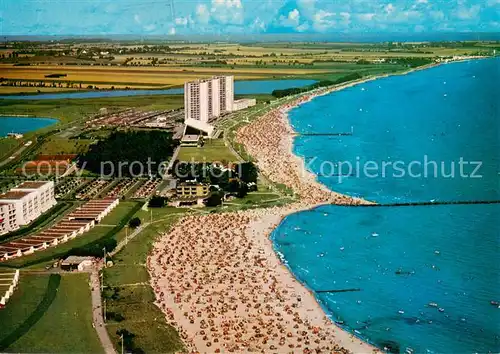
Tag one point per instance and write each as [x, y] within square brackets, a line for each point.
[323, 83]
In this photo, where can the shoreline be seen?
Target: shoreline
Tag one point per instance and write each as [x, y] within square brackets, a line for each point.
[269, 139]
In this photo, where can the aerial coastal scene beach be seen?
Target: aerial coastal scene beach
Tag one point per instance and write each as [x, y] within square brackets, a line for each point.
[232, 176]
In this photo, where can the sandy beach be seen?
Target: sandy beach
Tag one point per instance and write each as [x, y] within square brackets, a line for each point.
[220, 283]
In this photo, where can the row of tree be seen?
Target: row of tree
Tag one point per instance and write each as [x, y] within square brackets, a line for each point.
[323, 83]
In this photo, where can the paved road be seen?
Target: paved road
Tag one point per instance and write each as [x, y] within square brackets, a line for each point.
[97, 315]
[16, 154]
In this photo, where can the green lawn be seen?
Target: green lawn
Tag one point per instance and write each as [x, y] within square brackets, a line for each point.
[49, 314]
[129, 295]
[57, 145]
[105, 229]
[213, 150]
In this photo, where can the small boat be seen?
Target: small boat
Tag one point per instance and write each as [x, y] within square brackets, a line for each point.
[362, 89]
[401, 312]
[342, 248]
[494, 303]
[374, 234]
[437, 252]
[433, 304]
[441, 309]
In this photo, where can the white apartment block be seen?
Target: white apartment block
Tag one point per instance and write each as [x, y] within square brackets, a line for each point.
[206, 99]
[226, 93]
[23, 204]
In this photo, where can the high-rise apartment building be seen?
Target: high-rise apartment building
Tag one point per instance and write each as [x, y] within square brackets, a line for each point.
[207, 99]
[226, 93]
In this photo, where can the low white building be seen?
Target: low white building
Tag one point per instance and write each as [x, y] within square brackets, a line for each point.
[24, 203]
[244, 103]
[77, 263]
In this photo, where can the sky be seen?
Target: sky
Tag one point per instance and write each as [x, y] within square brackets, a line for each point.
[240, 17]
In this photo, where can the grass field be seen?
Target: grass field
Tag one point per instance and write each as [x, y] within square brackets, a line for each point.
[130, 296]
[57, 145]
[49, 314]
[108, 227]
[213, 150]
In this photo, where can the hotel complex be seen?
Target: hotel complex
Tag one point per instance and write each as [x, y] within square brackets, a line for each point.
[207, 99]
[23, 204]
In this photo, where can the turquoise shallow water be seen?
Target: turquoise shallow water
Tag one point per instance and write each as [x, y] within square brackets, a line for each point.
[23, 125]
[403, 258]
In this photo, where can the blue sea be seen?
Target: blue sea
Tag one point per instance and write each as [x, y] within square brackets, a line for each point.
[23, 125]
[421, 277]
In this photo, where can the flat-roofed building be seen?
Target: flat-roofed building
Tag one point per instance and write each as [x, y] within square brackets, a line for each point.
[44, 190]
[244, 103]
[24, 203]
[8, 219]
[190, 190]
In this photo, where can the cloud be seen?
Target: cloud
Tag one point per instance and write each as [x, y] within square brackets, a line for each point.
[137, 19]
[227, 11]
[437, 15]
[422, 1]
[303, 27]
[291, 20]
[493, 2]
[202, 14]
[366, 16]
[323, 20]
[470, 13]
[307, 8]
[389, 9]
[258, 25]
[171, 31]
[182, 21]
[346, 16]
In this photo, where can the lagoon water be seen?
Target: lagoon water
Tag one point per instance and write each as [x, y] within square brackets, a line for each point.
[240, 88]
[23, 125]
[403, 258]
